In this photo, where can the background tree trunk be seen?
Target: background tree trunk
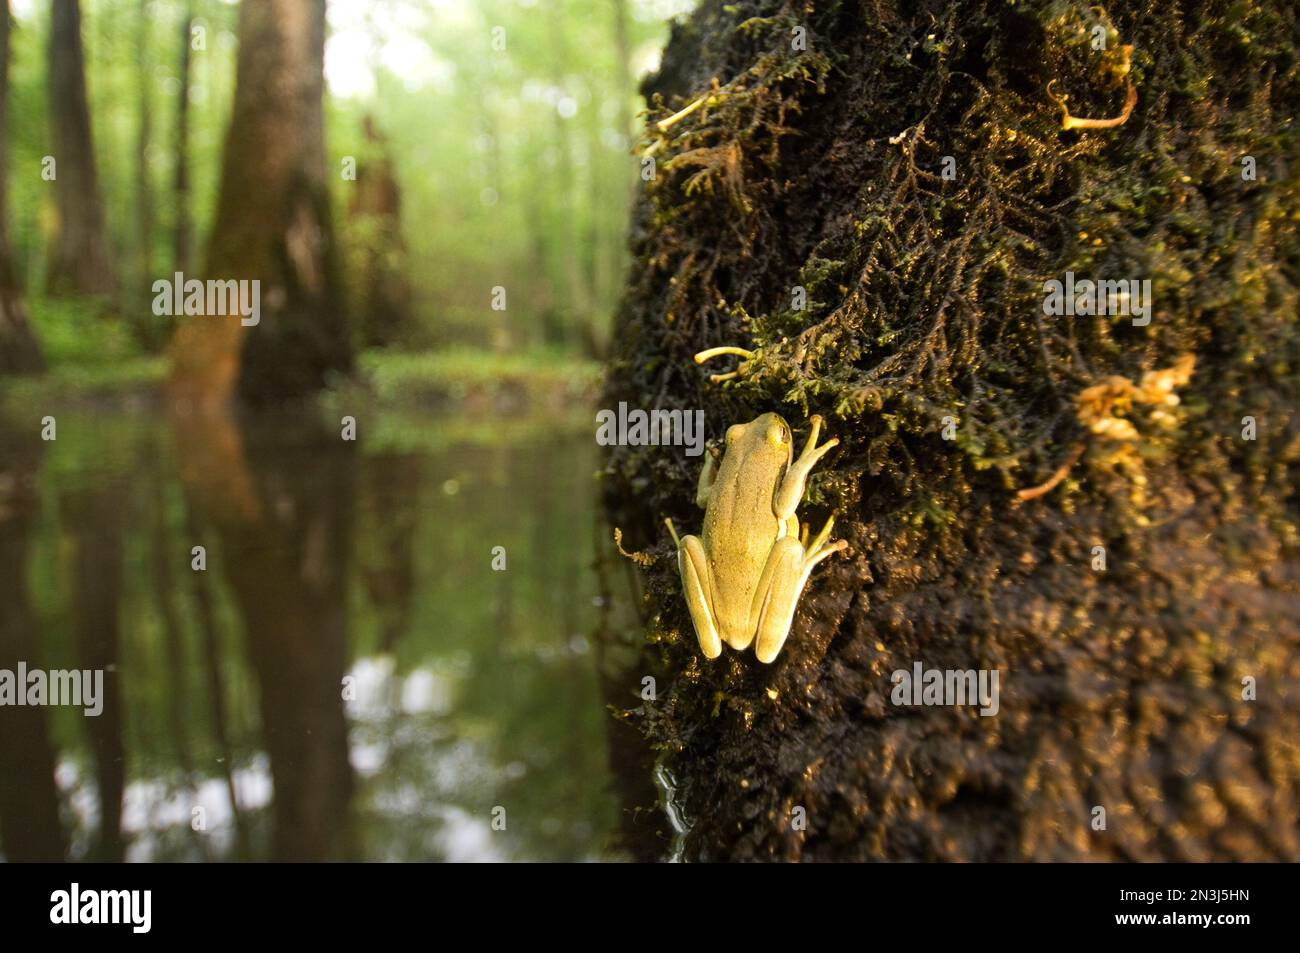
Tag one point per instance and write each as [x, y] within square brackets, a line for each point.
[80, 261]
[183, 237]
[576, 298]
[144, 200]
[380, 267]
[275, 150]
[822, 169]
[19, 351]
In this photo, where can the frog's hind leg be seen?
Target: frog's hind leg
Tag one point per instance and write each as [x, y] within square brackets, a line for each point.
[697, 583]
[776, 597]
[784, 579]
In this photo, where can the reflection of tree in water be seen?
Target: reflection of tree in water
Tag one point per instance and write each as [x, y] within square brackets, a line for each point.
[503, 709]
[494, 701]
[96, 521]
[390, 486]
[284, 520]
[29, 800]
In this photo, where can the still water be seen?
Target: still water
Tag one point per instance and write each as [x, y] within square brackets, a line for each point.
[349, 677]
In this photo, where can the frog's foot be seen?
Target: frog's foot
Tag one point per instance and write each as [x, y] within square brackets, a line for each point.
[708, 474]
[784, 581]
[819, 549]
[713, 352]
[697, 583]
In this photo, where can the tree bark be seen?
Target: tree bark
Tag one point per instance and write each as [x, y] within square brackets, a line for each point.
[273, 225]
[80, 261]
[1075, 502]
[19, 351]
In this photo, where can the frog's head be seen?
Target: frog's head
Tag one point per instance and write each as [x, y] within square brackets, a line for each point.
[766, 438]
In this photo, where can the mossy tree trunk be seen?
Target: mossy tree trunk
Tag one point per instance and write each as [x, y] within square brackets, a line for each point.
[273, 225]
[1020, 491]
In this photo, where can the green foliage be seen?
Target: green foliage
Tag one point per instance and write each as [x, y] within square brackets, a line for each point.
[513, 165]
[395, 378]
[121, 68]
[77, 331]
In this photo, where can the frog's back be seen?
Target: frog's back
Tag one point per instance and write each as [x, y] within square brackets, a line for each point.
[739, 530]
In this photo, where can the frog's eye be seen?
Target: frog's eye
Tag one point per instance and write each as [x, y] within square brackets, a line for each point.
[779, 434]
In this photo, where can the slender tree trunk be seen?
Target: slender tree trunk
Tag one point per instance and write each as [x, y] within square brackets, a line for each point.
[183, 235]
[380, 270]
[19, 351]
[623, 63]
[144, 212]
[273, 225]
[81, 262]
[576, 302]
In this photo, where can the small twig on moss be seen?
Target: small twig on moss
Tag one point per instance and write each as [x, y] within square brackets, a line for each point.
[713, 97]
[640, 558]
[664, 124]
[1080, 122]
[708, 355]
[1033, 492]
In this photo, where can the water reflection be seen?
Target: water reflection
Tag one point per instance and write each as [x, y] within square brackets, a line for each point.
[349, 678]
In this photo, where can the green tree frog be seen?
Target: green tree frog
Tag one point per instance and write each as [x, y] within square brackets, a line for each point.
[744, 574]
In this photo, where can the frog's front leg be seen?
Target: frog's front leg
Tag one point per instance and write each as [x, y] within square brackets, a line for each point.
[697, 583]
[790, 490]
[708, 474]
[788, 567]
